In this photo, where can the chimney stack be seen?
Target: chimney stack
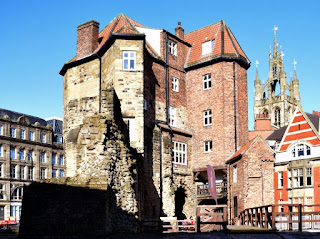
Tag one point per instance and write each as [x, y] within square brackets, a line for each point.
[87, 38]
[179, 31]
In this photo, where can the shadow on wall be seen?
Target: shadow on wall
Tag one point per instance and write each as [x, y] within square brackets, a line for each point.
[52, 210]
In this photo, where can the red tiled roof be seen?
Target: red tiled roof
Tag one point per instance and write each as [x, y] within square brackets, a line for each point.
[120, 24]
[225, 44]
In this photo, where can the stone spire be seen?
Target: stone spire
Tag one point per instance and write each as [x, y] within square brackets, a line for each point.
[275, 44]
[257, 80]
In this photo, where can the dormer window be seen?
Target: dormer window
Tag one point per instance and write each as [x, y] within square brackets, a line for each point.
[301, 150]
[172, 47]
[207, 47]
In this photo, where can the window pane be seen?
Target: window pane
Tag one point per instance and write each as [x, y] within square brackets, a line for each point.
[125, 64]
[131, 64]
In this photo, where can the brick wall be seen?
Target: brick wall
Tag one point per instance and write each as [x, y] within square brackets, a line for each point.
[255, 182]
[220, 100]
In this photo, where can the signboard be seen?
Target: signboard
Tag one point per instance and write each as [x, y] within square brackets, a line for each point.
[9, 221]
[212, 183]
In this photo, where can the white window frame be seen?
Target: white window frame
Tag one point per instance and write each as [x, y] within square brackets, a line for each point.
[0, 150]
[280, 179]
[54, 173]
[173, 48]
[180, 153]
[61, 160]
[23, 154]
[172, 116]
[30, 173]
[43, 138]
[22, 134]
[2, 191]
[207, 48]
[207, 117]
[22, 172]
[43, 173]
[297, 178]
[206, 79]
[13, 171]
[61, 174]
[1, 129]
[289, 179]
[42, 157]
[309, 175]
[31, 135]
[1, 170]
[207, 146]
[129, 58]
[235, 173]
[175, 84]
[13, 132]
[301, 148]
[17, 193]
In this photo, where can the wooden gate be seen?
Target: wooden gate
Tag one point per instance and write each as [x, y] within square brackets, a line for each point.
[209, 215]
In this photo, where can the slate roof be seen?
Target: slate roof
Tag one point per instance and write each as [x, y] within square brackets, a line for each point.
[15, 116]
[277, 134]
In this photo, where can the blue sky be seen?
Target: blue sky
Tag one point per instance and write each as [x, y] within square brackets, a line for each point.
[37, 37]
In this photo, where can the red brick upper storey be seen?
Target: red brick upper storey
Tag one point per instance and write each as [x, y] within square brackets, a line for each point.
[224, 43]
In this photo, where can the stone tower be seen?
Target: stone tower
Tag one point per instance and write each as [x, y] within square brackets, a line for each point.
[276, 99]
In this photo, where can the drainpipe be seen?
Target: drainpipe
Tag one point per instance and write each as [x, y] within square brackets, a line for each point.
[235, 108]
[160, 172]
[230, 198]
[167, 78]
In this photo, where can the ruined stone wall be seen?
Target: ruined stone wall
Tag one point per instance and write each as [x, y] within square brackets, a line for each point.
[80, 99]
[128, 84]
[104, 162]
[83, 210]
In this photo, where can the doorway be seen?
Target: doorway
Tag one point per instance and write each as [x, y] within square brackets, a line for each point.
[180, 199]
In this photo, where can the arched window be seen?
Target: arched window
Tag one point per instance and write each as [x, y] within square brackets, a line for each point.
[301, 150]
[274, 71]
[17, 193]
[277, 117]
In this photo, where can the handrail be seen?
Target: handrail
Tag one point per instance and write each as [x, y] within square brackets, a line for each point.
[289, 215]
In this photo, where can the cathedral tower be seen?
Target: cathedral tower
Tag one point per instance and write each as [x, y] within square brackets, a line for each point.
[276, 99]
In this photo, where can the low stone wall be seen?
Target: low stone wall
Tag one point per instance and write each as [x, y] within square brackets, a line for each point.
[64, 211]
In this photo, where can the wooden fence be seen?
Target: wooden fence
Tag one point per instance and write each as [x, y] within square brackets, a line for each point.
[282, 217]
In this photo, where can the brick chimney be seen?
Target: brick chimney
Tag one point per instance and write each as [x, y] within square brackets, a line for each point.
[87, 38]
[179, 31]
[317, 113]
